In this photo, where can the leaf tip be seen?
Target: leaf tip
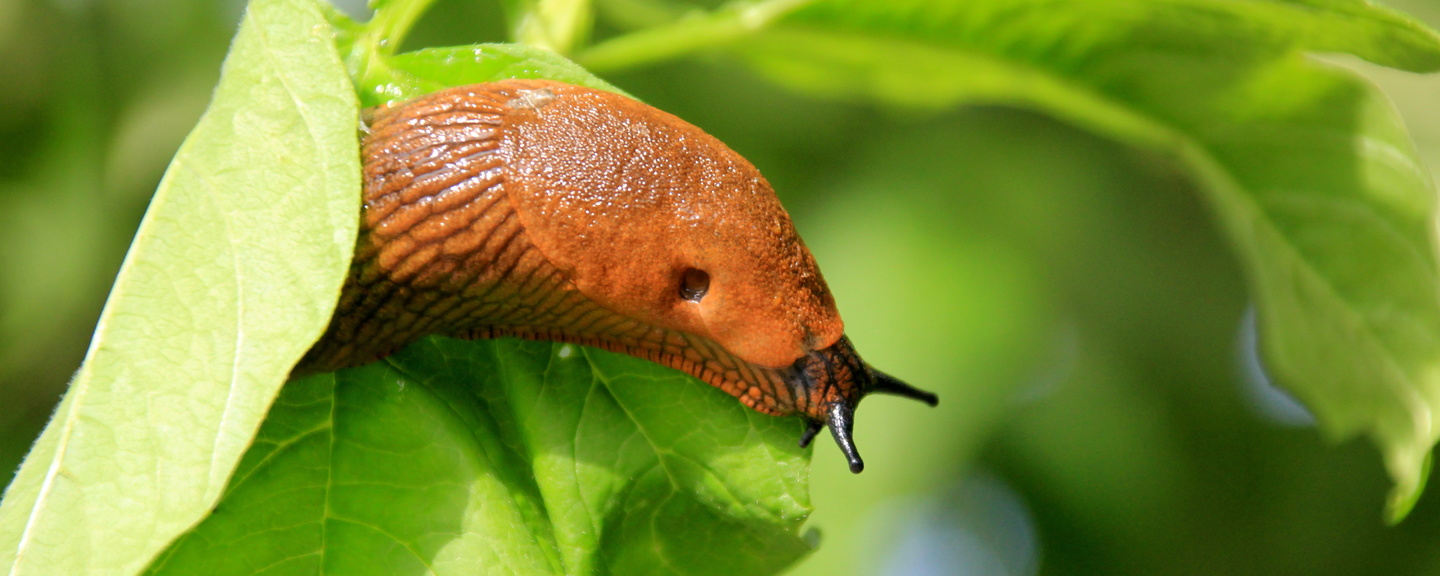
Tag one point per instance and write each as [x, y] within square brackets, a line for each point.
[1406, 493]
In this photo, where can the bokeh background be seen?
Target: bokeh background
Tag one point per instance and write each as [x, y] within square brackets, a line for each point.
[1103, 411]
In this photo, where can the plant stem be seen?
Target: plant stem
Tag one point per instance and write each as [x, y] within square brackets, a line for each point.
[631, 15]
[555, 24]
[392, 22]
[723, 26]
[382, 36]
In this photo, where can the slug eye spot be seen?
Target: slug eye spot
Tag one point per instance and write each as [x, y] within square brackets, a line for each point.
[693, 284]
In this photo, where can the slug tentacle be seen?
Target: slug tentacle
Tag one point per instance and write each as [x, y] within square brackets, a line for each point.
[842, 422]
[540, 210]
[888, 384]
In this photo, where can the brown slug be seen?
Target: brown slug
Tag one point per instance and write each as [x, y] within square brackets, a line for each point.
[542, 210]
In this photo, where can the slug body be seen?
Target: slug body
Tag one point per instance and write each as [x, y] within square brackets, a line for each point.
[542, 210]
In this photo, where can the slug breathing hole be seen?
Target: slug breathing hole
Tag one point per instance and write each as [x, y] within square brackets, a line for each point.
[693, 284]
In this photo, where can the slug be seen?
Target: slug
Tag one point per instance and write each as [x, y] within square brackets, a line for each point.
[541, 210]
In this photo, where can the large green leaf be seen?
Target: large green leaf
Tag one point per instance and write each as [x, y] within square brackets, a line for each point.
[1307, 167]
[501, 457]
[508, 457]
[233, 274]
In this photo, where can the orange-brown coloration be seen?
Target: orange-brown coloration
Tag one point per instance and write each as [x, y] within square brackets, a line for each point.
[541, 210]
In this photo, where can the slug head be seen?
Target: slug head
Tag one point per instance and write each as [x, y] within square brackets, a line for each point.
[833, 381]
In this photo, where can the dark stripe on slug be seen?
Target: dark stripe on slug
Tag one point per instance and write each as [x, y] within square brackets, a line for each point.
[431, 183]
[476, 247]
[457, 162]
[529, 266]
[494, 277]
[448, 223]
[472, 190]
[554, 296]
[589, 320]
[414, 262]
[609, 324]
[566, 307]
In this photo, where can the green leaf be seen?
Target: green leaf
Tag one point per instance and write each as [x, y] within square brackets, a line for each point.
[504, 457]
[233, 274]
[412, 74]
[431, 69]
[733, 21]
[508, 457]
[1308, 168]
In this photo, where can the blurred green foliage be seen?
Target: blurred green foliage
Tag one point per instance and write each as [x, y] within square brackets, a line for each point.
[1070, 298]
[97, 98]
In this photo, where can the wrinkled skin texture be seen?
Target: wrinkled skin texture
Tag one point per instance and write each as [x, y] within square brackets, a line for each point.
[541, 210]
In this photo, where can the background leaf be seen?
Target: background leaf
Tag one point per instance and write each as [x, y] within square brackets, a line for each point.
[233, 275]
[552, 24]
[1070, 297]
[508, 457]
[1308, 168]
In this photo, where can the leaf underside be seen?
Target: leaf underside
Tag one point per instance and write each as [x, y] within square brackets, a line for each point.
[1306, 166]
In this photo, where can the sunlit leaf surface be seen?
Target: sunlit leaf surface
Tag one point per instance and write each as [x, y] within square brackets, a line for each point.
[508, 457]
[233, 274]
